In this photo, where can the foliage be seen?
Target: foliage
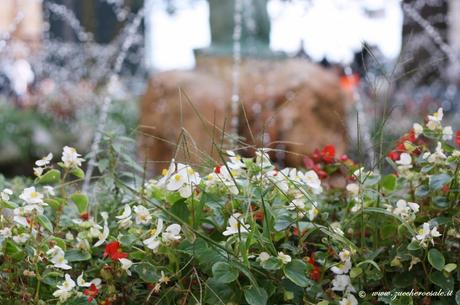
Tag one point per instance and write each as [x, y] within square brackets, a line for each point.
[241, 233]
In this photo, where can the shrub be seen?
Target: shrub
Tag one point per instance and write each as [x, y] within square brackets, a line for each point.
[243, 232]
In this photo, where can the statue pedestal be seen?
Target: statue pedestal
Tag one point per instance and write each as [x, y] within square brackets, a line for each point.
[290, 104]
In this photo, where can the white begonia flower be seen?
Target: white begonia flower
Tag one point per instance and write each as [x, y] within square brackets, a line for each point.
[21, 238]
[19, 217]
[38, 171]
[105, 233]
[262, 158]
[5, 233]
[353, 189]
[297, 203]
[45, 160]
[65, 289]
[153, 242]
[447, 133]
[285, 258]
[183, 180]
[31, 196]
[405, 209]
[124, 220]
[58, 258]
[349, 300]
[404, 162]
[436, 157]
[418, 129]
[263, 257]
[70, 157]
[236, 225]
[425, 234]
[166, 174]
[142, 215]
[342, 282]
[5, 194]
[345, 255]
[125, 265]
[81, 281]
[312, 180]
[312, 213]
[171, 233]
[82, 244]
[235, 161]
[434, 120]
[342, 268]
[69, 236]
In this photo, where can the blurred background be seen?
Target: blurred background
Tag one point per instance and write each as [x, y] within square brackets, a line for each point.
[355, 73]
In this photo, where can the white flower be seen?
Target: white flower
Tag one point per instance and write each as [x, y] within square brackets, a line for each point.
[142, 215]
[125, 265]
[5, 194]
[81, 282]
[38, 171]
[262, 158]
[125, 218]
[65, 289]
[345, 255]
[171, 234]
[353, 189]
[312, 213]
[342, 268]
[418, 129]
[69, 236]
[58, 258]
[285, 258]
[31, 196]
[19, 217]
[312, 180]
[437, 156]
[5, 233]
[342, 282]
[70, 157]
[349, 300]
[404, 162]
[21, 238]
[447, 133]
[166, 173]
[45, 160]
[105, 233]
[263, 257]
[425, 234]
[235, 225]
[434, 120]
[49, 190]
[297, 203]
[183, 180]
[405, 209]
[235, 161]
[153, 243]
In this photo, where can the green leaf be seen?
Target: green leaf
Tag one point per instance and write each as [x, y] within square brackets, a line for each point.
[450, 267]
[146, 271]
[223, 272]
[50, 177]
[255, 295]
[7, 204]
[52, 278]
[53, 203]
[77, 172]
[13, 250]
[440, 202]
[80, 300]
[272, 263]
[81, 201]
[180, 209]
[45, 222]
[436, 259]
[77, 256]
[296, 272]
[355, 272]
[438, 181]
[60, 242]
[389, 182]
[439, 279]
[413, 246]
[457, 297]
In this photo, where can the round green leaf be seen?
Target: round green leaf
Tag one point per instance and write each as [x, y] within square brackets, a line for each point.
[81, 201]
[224, 273]
[146, 271]
[296, 272]
[436, 259]
[255, 295]
[438, 181]
[50, 177]
[45, 222]
[77, 256]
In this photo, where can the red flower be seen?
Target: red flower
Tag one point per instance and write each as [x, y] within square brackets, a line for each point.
[316, 273]
[393, 155]
[91, 292]
[311, 260]
[106, 302]
[217, 169]
[457, 138]
[343, 158]
[113, 251]
[328, 153]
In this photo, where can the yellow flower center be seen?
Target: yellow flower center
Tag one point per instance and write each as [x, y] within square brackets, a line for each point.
[164, 172]
[34, 194]
[190, 171]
